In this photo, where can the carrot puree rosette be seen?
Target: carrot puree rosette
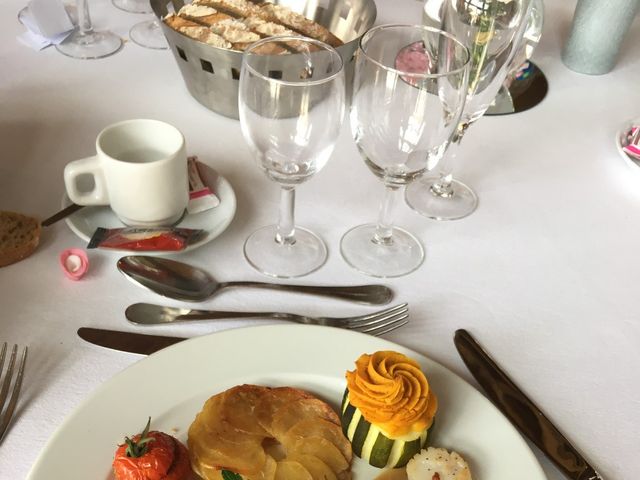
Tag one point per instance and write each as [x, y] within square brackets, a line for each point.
[388, 409]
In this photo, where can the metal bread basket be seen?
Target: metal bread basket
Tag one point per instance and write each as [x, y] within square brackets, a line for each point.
[211, 74]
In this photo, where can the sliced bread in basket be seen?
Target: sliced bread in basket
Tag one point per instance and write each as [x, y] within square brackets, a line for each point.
[235, 24]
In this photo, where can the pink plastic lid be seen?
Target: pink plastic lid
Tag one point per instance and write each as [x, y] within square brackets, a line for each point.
[74, 263]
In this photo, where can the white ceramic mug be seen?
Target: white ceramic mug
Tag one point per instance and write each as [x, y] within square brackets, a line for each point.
[140, 170]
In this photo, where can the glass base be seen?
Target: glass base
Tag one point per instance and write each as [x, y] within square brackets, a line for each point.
[133, 6]
[525, 92]
[149, 35]
[425, 199]
[306, 255]
[90, 45]
[404, 255]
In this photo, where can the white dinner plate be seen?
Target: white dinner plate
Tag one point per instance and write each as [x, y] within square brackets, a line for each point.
[214, 221]
[172, 385]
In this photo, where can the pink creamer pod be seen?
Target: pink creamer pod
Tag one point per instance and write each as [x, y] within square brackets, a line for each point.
[74, 262]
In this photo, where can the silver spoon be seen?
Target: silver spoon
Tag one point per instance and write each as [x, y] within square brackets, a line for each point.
[181, 281]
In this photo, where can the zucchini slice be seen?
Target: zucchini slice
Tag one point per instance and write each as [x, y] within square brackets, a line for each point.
[372, 444]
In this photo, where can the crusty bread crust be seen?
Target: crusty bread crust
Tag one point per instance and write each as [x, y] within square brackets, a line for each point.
[19, 237]
[242, 22]
[298, 23]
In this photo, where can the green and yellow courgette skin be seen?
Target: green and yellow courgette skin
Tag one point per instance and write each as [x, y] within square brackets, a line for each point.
[373, 445]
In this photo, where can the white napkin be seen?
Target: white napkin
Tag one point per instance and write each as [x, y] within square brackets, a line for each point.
[47, 23]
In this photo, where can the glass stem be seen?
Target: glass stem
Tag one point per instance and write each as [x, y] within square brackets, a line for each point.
[84, 20]
[285, 234]
[443, 188]
[384, 227]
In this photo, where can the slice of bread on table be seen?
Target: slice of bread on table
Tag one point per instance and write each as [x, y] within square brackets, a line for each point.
[19, 237]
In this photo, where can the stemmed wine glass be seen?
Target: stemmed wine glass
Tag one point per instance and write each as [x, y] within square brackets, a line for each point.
[148, 33]
[291, 109]
[409, 88]
[492, 31]
[84, 42]
[133, 6]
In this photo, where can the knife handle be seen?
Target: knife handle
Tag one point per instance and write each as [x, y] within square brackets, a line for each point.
[65, 212]
[521, 411]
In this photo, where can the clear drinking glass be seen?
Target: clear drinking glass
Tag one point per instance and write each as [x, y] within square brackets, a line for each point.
[84, 42]
[519, 81]
[409, 89]
[291, 105]
[147, 34]
[133, 6]
[492, 30]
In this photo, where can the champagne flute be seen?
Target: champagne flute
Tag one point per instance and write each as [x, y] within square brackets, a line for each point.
[409, 89]
[492, 31]
[291, 108]
[84, 42]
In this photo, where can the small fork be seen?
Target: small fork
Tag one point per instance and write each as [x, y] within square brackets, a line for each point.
[377, 323]
[6, 411]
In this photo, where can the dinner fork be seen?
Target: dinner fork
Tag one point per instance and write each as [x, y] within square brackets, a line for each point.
[6, 411]
[376, 323]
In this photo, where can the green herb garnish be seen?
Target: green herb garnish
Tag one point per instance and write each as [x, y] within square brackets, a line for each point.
[138, 448]
[227, 475]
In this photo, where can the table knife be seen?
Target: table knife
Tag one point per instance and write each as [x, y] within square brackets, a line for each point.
[127, 341]
[521, 411]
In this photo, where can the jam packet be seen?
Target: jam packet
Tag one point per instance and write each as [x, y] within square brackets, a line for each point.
[145, 239]
[632, 147]
[201, 197]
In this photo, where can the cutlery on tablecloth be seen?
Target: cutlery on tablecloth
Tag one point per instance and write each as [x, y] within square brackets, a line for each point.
[521, 411]
[127, 341]
[181, 281]
[6, 410]
[376, 323]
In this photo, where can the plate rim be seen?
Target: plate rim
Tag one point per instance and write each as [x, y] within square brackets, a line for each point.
[230, 201]
[38, 470]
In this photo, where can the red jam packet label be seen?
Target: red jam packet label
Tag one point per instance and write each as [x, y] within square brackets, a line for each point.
[142, 239]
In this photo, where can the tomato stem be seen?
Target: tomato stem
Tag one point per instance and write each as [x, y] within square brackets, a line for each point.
[137, 448]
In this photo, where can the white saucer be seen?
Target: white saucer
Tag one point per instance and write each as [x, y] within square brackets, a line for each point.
[621, 141]
[214, 221]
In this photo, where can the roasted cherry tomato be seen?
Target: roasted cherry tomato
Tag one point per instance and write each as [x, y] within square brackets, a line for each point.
[151, 456]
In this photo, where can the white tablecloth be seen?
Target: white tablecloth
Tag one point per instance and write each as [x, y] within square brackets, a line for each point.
[545, 273]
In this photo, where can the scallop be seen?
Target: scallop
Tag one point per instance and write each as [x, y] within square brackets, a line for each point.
[438, 464]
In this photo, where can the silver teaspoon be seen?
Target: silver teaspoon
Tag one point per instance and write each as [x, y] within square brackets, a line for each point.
[181, 281]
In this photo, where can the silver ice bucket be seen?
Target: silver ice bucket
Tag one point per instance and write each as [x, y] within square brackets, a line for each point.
[211, 74]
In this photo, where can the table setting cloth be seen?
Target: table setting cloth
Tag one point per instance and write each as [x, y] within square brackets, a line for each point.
[544, 273]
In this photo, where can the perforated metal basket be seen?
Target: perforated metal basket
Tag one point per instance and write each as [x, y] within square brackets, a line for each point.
[211, 74]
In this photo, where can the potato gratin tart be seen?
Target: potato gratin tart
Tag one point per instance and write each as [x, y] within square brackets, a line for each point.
[269, 434]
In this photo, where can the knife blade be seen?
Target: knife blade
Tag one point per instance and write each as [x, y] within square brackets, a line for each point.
[521, 411]
[127, 341]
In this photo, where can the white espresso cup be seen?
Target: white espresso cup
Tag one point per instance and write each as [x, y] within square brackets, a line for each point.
[140, 170]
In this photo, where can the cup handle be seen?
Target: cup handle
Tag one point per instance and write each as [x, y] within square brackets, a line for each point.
[86, 166]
